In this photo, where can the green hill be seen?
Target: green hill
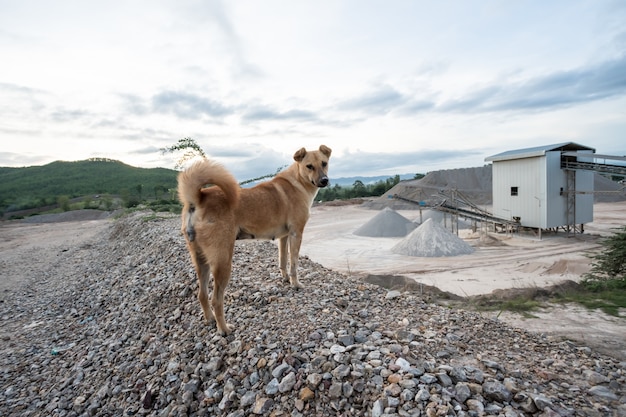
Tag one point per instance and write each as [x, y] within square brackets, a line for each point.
[37, 186]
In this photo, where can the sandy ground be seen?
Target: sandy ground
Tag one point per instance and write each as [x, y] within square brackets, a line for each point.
[499, 262]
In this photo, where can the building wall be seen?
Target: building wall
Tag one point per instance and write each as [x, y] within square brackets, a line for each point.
[584, 202]
[556, 198]
[527, 175]
[541, 200]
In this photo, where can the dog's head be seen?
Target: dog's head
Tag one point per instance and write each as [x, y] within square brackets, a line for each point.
[313, 165]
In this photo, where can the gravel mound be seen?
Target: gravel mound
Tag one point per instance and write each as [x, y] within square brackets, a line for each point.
[431, 239]
[113, 328]
[475, 183]
[387, 223]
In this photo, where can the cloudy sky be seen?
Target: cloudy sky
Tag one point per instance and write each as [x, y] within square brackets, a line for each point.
[391, 86]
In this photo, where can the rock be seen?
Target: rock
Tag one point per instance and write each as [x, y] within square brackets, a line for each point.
[603, 392]
[496, 391]
[394, 378]
[403, 364]
[525, 402]
[476, 405]
[337, 349]
[346, 340]
[542, 402]
[594, 378]
[306, 394]
[248, 399]
[262, 405]
[393, 294]
[272, 387]
[341, 372]
[313, 380]
[428, 379]
[287, 383]
[378, 408]
[335, 389]
[347, 389]
[462, 392]
[280, 370]
[444, 379]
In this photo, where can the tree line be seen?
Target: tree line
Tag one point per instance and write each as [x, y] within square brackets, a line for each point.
[359, 189]
[106, 184]
[96, 183]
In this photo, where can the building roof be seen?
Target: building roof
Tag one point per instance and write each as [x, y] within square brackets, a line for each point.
[538, 151]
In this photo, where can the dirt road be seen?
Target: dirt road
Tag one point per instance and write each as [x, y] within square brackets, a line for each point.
[27, 249]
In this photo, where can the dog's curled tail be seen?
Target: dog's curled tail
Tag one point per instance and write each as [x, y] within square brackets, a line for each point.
[202, 173]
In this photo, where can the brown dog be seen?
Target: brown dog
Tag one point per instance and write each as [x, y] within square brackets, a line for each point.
[213, 218]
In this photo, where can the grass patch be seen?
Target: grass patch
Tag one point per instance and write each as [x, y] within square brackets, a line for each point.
[520, 305]
[523, 304]
[609, 301]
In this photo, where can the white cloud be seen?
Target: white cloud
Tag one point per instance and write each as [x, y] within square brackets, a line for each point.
[424, 85]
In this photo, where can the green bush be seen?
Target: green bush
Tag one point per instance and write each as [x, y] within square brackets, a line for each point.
[608, 270]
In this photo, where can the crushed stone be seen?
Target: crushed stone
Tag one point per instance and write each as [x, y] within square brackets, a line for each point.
[387, 223]
[113, 328]
[430, 240]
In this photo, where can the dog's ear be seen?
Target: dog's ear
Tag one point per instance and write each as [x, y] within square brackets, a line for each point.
[299, 155]
[325, 150]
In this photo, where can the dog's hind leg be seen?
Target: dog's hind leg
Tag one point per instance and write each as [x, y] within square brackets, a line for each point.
[221, 277]
[189, 229]
[203, 270]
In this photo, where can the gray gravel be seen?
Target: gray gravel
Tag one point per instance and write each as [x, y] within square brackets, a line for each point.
[431, 239]
[113, 328]
[387, 223]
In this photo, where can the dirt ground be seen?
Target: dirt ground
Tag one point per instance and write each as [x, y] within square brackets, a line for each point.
[29, 247]
[500, 262]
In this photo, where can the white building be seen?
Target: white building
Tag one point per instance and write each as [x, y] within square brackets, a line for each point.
[532, 186]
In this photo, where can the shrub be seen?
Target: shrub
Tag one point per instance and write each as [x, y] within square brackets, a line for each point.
[608, 270]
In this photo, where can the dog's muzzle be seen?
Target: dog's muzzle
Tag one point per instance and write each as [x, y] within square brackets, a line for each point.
[323, 182]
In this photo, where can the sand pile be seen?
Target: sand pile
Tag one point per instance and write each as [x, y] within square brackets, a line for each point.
[446, 219]
[431, 239]
[387, 223]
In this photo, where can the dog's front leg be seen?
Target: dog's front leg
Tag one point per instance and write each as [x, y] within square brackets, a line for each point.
[295, 239]
[282, 257]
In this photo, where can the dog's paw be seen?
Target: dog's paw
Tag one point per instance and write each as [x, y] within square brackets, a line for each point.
[210, 318]
[225, 331]
[296, 284]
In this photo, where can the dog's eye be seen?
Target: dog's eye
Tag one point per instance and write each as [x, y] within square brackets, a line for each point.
[324, 164]
[310, 167]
